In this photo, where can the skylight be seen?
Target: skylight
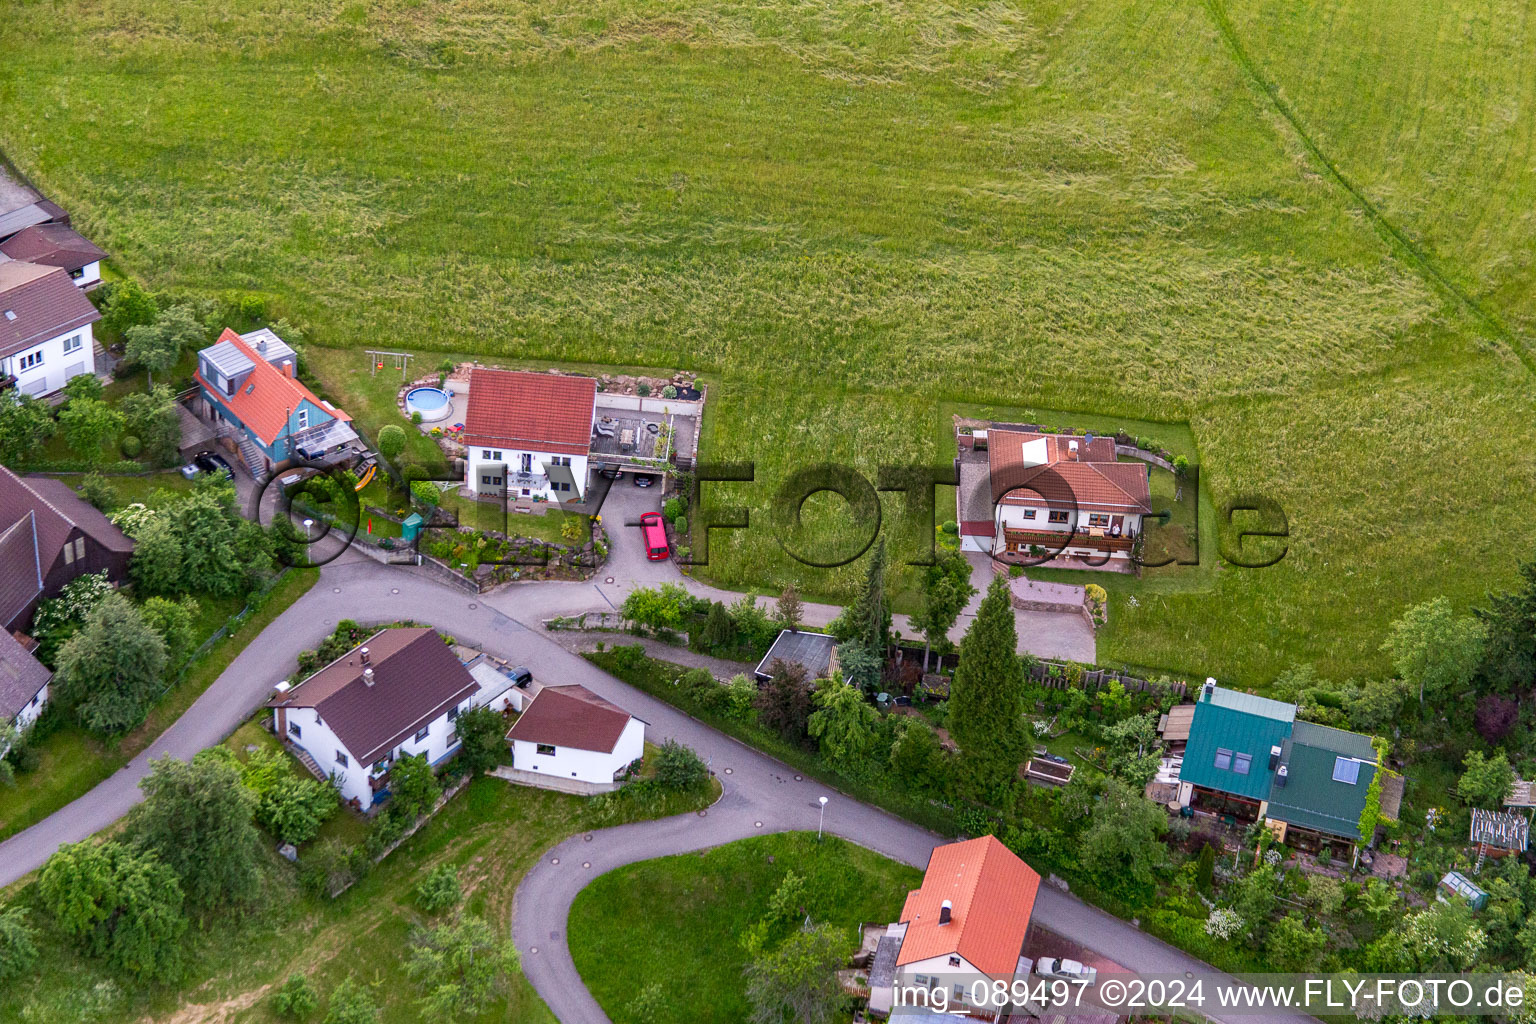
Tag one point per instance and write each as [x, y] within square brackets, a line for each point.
[1241, 763]
[10, 314]
[1346, 770]
[1223, 758]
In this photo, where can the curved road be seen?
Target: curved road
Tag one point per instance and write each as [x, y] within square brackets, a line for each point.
[760, 794]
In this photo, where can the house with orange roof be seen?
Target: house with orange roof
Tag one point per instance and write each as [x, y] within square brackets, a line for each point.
[248, 387]
[528, 435]
[965, 924]
[1026, 497]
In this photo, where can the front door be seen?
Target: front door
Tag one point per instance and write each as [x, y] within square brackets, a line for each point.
[527, 463]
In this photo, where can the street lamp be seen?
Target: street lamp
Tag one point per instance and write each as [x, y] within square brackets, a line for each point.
[307, 524]
[822, 819]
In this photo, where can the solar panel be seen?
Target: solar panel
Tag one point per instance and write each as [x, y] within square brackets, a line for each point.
[1346, 770]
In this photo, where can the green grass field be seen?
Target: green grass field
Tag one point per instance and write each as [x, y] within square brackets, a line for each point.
[1303, 237]
[679, 920]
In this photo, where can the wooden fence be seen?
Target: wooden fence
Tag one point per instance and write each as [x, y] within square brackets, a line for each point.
[1057, 675]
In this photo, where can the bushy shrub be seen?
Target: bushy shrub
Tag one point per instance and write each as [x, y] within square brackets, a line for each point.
[669, 392]
[642, 390]
[131, 446]
[440, 890]
[97, 492]
[297, 998]
[678, 767]
[391, 440]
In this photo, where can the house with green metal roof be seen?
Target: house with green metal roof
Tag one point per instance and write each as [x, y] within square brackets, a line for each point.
[1248, 759]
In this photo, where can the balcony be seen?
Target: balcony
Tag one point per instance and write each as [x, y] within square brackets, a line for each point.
[1097, 539]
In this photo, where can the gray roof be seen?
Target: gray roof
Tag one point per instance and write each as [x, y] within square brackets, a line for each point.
[227, 359]
[18, 220]
[1349, 744]
[1250, 704]
[813, 651]
[271, 348]
[21, 676]
[882, 971]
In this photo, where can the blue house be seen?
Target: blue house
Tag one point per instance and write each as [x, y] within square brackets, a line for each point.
[249, 388]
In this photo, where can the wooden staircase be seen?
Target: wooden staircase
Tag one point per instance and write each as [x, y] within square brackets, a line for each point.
[308, 762]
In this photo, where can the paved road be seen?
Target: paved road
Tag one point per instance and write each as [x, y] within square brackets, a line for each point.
[761, 795]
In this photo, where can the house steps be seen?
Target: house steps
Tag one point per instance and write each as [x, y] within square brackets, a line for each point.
[302, 756]
[254, 460]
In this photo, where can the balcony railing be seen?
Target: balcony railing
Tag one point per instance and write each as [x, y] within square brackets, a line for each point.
[1056, 541]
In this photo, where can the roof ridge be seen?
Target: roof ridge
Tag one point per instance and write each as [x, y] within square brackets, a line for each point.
[361, 643]
[1097, 467]
[40, 496]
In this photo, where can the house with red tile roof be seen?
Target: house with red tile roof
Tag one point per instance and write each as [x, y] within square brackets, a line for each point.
[528, 435]
[570, 733]
[45, 328]
[248, 387]
[58, 245]
[967, 922]
[1027, 497]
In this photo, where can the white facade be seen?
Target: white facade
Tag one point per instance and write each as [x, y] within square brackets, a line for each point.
[46, 367]
[949, 978]
[593, 766]
[525, 474]
[27, 715]
[1042, 519]
[88, 276]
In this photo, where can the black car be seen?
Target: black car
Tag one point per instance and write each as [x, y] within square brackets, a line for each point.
[609, 472]
[644, 480]
[207, 462]
[520, 676]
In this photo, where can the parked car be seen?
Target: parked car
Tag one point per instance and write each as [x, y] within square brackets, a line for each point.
[1070, 970]
[609, 472]
[644, 480]
[520, 676]
[655, 535]
[206, 462]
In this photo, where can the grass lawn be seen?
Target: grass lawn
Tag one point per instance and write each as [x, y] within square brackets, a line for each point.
[679, 920]
[491, 832]
[1305, 238]
[72, 760]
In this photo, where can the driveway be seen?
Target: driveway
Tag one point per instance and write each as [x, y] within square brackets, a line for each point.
[761, 794]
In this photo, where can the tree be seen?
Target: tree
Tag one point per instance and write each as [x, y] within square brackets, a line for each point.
[871, 613]
[664, 608]
[117, 903]
[426, 494]
[1255, 895]
[110, 670]
[844, 724]
[1375, 703]
[1137, 733]
[352, 1003]
[294, 808]
[719, 632]
[151, 417]
[789, 609]
[1495, 716]
[18, 951]
[1434, 649]
[947, 589]
[459, 966]
[87, 422]
[798, 980]
[1292, 946]
[916, 754]
[99, 494]
[127, 305]
[25, 426]
[173, 620]
[211, 563]
[986, 700]
[678, 767]
[83, 385]
[297, 998]
[1123, 838]
[157, 346]
[439, 890]
[391, 441]
[482, 739]
[784, 702]
[1205, 867]
[157, 565]
[413, 787]
[1509, 653]
[196, 819]
[1485, 781]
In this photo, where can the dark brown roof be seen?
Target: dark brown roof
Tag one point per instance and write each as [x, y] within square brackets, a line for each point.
[37, 304]
[416, 678]
[21, 676]
[571, 716]
[80, 513]
[52, 245]
[541, 412]
[21, 575]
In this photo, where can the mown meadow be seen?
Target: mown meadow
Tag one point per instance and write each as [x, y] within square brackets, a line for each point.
[1301, 239]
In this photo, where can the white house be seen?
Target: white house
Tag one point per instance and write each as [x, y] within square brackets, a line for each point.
[528, 435]
[45, 328]
[395, 695]
[58, 245]
[23, 684]
[966, 923]
[569, 732]
[1033, 496]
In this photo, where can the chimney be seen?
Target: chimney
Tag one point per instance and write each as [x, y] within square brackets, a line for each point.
[1209, 689]
[1072, 450]
[944, 911]
[363, 652]
[1274, 758]
[1280, 777]
[288, 368]
[368, 676]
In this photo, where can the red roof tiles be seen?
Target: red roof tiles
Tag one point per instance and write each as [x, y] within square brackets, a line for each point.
[268, 397]
[991, 893]
[541, 412]
[1076, 473]
[571, 716]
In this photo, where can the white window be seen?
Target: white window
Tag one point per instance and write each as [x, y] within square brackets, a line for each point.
[341, 758]
[1029, 513]
[293, 728]
[1058, 517]
[1098, 519]
[69, 554]
[72, 344]
[544, 748]
[303, 418]
[422, 734]
[31, 360]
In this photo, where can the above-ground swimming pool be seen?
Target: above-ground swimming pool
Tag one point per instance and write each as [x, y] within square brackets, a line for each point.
[432, 403]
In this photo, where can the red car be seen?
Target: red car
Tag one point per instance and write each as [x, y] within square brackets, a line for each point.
[655, 537]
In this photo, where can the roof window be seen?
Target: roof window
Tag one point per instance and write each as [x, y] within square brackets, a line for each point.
[1346, 770]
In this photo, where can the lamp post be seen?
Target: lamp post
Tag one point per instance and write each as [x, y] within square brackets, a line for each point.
[822, 819]
[307, 524]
